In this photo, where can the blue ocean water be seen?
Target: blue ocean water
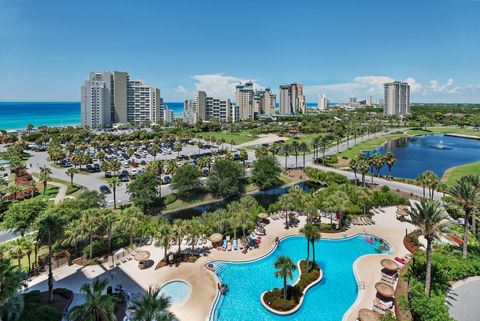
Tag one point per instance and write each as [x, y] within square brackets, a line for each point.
[17, 115]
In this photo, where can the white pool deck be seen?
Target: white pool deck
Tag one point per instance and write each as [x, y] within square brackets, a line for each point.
[204, 283]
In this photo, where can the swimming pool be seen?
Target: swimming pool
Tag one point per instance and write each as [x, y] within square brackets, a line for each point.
[326, 301]
[177, 290]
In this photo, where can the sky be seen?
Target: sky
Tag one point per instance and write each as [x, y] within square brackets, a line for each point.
[340, 48]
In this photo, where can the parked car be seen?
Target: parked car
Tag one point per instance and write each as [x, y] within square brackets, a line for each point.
[167, 179]
[104, 189]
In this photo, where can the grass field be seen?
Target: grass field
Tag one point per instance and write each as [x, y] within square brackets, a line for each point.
[237, 138]
[451, 176]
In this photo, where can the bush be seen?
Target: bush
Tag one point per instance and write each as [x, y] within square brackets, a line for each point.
[170, 198]
[328, 160]
[385, 189]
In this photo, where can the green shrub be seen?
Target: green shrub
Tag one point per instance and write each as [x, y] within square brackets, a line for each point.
[169, 199]
[385, 189]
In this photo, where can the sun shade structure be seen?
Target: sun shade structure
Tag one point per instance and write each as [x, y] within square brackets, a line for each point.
[389, 265]
[215, 238]
[142, 255]
[384, 289]
[262, 216]
[367, 315]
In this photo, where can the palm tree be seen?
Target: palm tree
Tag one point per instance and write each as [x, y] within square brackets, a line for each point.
[97, 306]
[178, 148]
[11, 281]
[243, 156]
[17, 251]
[308, 230]
[178, 231]
[431, 181]
[28, 246]
[354, 166]
[151, 307]
[71, 172]
[363, 167]
[475, 181]
[284, 268]
[314, 237]
[156, 167]
[155, 150]
[163, 236]
[130, 218]
[45, 173]
[303, 148]
[432, 219]
[109, 219]
[378, 161]
[390, 160]
[90, 221]
[113, 183]
[287, 149]
[295, 146]
[50, 228]
[194, 227]
[467, 197]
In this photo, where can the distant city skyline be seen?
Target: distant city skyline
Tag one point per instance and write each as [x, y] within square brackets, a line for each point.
[338, 48]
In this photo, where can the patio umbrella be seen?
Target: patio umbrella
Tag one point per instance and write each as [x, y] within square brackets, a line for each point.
[367, 315]
[389, 265]
[384, 289]
[142, 255]
[215, 238]
[262, 216]
[293, 215]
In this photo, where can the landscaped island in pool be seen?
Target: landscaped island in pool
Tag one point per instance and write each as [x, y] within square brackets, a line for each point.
[326, 301]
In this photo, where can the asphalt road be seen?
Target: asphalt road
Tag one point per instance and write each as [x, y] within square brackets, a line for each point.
[463, 299]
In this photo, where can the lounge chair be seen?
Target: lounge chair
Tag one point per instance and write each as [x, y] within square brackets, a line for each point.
[229, 246]
[240, 244]
[235, 247]
[224, 247]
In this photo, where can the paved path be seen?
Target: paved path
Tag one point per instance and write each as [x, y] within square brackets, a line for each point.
[463, 299]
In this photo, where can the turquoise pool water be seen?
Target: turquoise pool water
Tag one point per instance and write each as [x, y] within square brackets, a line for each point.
[178, 291]
[326, 301]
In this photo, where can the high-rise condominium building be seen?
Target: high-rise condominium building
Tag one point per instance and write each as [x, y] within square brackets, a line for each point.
[244, 100]
[322, 102]
[206, 108]
[96, 106]
[292, 100]
[397, 98]
[264, 102]
[111, 97]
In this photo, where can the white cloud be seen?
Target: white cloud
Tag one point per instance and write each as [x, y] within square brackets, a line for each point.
[181, 90]
[363, 86]
[219, 85]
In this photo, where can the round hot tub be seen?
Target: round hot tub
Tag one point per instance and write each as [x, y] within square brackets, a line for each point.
[178, 291]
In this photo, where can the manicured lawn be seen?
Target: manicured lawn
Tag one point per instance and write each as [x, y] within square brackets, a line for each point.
[368, 145]
[24, 260]
[453, 130]
[181, 203]
[238, 138]
[451, 176]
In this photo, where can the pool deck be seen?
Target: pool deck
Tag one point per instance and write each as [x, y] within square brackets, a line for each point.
[204, 283]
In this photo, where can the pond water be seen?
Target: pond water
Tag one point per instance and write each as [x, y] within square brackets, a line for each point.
[429, 152]
[264, 198]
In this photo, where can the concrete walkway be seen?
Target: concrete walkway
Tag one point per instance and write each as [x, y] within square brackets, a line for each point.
[463, 298]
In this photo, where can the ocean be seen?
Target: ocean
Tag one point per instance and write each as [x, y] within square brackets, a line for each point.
[17, 115]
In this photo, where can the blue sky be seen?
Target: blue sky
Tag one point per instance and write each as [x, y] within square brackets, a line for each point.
[340, 48]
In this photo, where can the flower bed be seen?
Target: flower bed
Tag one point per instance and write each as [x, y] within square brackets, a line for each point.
[273, 300]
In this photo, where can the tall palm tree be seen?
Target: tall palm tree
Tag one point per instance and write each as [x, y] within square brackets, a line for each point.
[28, 247]
[90, 221]
[431, 181]
[97, 306]
[156, 167]
[130, 219]
[284, 268]
[45, 177]
[354, 166]
[475, 181]
[314, 237]
[467, 197]
[243, 156]
[363, 167]
[303, 148]
[113, 183]
[17, 251]
[109, 220]
[287, 149]
[50, 228]
[71, 173]
[378, 161]
[308, 230]
[432, 220]
[195, 227]
[390, 160]
[163, 236]
[152, 307]
[155, 150]
[178, 230]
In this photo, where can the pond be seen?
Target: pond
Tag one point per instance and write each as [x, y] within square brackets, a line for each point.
[435, 152]
[264, 198]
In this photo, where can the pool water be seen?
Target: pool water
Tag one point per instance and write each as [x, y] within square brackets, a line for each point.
[326, 301]
[178, 291]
